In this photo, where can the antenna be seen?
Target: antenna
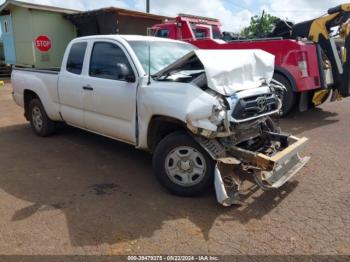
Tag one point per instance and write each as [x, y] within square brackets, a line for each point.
[149, 64]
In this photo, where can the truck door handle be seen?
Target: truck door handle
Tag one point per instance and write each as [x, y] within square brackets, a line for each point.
[88, 88]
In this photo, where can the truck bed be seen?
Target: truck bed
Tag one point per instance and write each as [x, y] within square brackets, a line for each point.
[42, 82]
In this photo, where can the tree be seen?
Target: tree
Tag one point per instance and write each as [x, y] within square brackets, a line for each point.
[260, 26]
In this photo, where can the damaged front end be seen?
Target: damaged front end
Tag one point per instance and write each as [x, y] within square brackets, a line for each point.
[268, 159]
[233, 119]
[246, 143]
[255, 151]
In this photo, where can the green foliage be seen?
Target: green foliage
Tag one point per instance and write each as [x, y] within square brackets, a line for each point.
[260, 26]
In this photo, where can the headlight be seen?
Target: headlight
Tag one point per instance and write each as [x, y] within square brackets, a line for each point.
[232, 101]
[218, 115]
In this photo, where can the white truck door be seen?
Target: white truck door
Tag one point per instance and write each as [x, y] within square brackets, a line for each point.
[70, 85]
[110, 92]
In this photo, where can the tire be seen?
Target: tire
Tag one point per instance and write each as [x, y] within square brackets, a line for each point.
[289, 98]
[41, 124]
[178, 158]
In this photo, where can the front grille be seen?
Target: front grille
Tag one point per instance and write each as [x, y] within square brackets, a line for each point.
[255, 106]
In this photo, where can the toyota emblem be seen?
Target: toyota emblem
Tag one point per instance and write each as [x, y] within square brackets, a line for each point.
[261, 103]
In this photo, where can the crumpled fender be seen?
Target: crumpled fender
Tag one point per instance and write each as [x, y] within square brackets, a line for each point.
[185, 102]
[200, 110]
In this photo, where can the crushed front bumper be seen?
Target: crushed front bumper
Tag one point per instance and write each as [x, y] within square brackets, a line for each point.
[286, 163]
[270, 172]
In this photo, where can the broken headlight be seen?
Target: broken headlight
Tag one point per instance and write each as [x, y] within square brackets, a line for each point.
[218, 115]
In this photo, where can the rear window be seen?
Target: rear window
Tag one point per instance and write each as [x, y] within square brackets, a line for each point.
[200, 33]
[76, 58]
[163, 33]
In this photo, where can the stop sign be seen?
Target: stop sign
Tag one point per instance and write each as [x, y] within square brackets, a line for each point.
[43, 43]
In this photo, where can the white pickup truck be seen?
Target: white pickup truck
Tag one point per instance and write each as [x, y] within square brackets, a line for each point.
[204, 114]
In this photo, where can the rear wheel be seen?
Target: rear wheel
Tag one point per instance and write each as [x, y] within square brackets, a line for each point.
[288, 97]
[39, 121]
[182, 165]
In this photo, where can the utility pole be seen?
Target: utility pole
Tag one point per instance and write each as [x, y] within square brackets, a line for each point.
[147, 6]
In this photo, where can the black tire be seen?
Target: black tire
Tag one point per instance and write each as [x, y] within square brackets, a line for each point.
[164, 150]
[289, 98]
[47, 126]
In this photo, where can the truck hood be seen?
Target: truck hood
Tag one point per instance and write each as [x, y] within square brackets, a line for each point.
[227, 71]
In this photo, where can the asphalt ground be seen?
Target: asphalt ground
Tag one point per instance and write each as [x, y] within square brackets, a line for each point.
[79, 193]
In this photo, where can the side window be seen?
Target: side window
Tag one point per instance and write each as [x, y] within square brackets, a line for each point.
[163, 33]
[76, 58]
[110, 62]
[200, 33]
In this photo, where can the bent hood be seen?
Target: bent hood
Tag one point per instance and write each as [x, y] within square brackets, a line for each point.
[228, 71]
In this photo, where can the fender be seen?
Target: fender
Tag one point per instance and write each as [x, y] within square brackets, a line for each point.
[183, 102]
[304, 98]
[285, 73]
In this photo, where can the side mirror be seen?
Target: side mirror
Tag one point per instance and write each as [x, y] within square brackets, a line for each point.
[130, 78]
[125, 73]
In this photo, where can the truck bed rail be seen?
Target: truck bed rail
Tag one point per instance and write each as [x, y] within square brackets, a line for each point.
[53, 71]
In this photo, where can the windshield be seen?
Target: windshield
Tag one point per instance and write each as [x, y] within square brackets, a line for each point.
[162, 53]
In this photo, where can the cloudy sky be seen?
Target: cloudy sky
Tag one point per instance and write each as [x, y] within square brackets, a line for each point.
[234, 14]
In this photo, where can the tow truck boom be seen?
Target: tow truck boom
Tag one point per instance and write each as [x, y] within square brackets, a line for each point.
[319, 31]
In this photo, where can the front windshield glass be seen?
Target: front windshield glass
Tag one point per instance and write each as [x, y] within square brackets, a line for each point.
[162, 53]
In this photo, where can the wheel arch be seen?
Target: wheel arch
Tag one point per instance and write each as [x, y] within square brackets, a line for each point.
[161, 126]
[28, 95]
[283, 72]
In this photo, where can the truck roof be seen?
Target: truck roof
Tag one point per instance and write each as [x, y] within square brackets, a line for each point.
[198, 19]
[130, 38]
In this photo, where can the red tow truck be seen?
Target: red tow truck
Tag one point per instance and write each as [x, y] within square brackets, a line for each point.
[309, 69]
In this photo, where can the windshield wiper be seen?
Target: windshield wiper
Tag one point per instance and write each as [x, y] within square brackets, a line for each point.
[188, 73]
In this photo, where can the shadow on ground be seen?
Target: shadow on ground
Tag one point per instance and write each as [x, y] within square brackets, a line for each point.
[105, 189]
[299, 122]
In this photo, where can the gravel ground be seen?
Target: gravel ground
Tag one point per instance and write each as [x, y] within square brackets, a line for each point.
[79, 193]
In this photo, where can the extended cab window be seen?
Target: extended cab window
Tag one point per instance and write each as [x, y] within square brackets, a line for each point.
[110, 62]
[76, 58]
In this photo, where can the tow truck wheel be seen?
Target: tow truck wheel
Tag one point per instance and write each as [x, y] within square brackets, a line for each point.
[182, 166]
[39, 121]
[288, 97]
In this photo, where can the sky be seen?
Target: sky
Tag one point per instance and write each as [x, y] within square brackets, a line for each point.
[234, 14]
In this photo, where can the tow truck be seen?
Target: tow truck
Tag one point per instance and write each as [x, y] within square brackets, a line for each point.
[311, 62]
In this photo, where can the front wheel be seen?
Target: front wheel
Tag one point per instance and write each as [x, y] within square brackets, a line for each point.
[182, 165]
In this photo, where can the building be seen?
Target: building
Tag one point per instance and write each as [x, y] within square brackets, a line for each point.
[114, 21]
[35, 35]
